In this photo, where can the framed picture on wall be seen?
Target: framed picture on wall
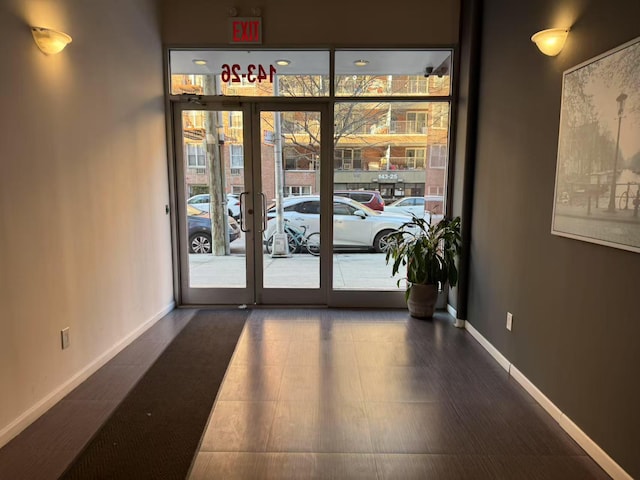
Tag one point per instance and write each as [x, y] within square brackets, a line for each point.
[597, 196]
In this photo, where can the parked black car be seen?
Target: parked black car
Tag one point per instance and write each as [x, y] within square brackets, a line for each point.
[199, 225]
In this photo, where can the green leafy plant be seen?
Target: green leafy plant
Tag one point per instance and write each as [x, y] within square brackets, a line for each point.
[428, 250]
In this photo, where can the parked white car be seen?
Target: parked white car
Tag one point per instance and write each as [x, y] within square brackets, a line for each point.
[407, 206]
[201, 202]
[429, 207]
[354, 225]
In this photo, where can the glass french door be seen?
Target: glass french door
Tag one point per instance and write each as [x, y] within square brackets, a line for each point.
[249, 220]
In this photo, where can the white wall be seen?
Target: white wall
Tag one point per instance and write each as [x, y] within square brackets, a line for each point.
[84, 238]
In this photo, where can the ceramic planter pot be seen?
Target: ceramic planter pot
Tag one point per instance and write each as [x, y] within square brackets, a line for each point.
[422, 300]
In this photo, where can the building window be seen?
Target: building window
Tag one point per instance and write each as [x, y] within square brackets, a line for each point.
[435, 190]
[237, 189]
[236, 153]
[235, 120]
[416, 158]
[418, 85]
[347, 159]
[193, 119]
[198, 189]
[293, 191]
[414, 189]
[416, 122]
[237, 156]
[294, 160]
[439, 115]
[196, 155]
[438, 156]
[438, 83]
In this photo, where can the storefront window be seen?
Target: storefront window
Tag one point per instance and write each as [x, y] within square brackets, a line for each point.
[254, 73]
[378, 73]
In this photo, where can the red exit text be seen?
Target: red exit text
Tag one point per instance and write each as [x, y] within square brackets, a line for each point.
[246, 30]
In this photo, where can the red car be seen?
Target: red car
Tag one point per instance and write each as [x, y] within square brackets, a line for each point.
[370, 198]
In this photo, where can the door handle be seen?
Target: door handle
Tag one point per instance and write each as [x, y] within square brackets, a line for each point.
[264, 212]
[242, 215]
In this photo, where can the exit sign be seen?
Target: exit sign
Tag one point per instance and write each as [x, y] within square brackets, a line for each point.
[245, 30]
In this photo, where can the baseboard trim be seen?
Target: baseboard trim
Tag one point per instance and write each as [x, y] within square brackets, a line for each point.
[458, 323]
[601, 457]
[37, 410]
[501, 359]
[540, 397]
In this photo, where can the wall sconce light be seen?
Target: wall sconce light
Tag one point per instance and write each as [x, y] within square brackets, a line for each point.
[50, 41]
[551, 41]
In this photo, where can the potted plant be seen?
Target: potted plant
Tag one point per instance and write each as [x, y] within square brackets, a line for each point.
[429, 253]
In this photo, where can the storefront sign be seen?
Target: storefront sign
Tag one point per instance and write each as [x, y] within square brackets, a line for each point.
[245, 30]
[387, 176]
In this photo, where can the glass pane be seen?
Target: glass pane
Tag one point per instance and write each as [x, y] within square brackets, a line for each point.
[393, 73]
[390, 162]
[290, 153]
[211, 165]
[255, 73]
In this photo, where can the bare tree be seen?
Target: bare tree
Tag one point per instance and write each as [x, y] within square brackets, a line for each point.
[351, 119]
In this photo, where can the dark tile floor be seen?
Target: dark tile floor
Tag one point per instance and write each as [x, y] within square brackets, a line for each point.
[376, 395]
[49, 445]
[332, 394]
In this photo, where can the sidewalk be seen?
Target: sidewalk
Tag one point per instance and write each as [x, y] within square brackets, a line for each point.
[362, 271]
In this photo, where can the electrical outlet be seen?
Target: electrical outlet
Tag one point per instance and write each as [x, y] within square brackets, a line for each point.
[509, 320]
[64, 337]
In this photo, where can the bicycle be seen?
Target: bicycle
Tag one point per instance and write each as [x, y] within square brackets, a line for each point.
[626, 197]
[298, 240]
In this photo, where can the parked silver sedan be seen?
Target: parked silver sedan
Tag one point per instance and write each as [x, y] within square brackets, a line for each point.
[408, 206]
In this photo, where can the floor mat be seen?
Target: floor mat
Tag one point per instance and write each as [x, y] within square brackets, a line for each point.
[155, 431]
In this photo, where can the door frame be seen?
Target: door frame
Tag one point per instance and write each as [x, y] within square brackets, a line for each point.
[187, 295]
[254, 291]
[301, 296]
